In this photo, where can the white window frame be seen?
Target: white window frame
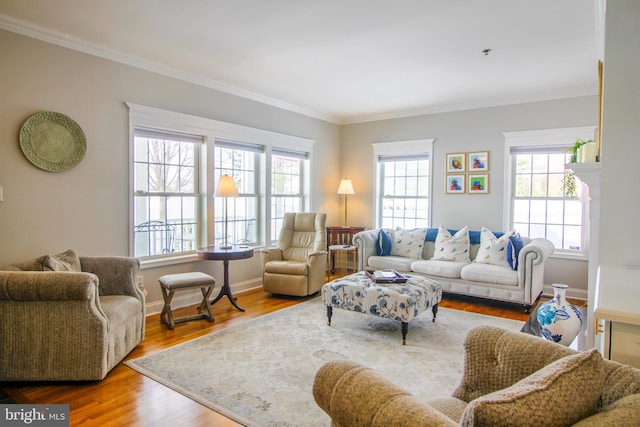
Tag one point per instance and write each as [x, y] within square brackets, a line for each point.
[210, 130]
[540, 138]
[400, 148]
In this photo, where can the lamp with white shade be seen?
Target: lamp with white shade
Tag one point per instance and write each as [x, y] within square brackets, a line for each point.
[346, 188]
[226, 188]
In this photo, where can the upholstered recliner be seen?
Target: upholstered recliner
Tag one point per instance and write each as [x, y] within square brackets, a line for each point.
[297, 266]
[509, 379]
[68, 318]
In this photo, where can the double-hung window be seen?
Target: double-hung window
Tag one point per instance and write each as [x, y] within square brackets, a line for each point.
[287, 186]
[403, 184]
[241, 162]
[166, 192]
[538, 205]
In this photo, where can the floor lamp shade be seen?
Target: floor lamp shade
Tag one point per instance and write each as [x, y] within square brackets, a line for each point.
[346, 187]
[226, 188]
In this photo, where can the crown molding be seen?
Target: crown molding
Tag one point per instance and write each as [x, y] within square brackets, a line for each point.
[65, 40]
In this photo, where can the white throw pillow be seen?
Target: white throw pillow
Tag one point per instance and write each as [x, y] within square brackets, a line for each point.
[452, 248]
[408, 243]
[493, 250]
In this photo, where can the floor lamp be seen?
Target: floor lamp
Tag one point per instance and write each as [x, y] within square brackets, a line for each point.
[346, 187]
[226, 188]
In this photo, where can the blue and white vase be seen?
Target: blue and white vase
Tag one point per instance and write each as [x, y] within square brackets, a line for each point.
[560, 321]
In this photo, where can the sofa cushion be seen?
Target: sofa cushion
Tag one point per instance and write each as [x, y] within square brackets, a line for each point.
[435, 267]
[487, 273]
[408, 243]
[398, 263]
[561, 393]
[493, 250]
[513, 249]
[383, 243]
[623, 412]
[452, 248]
[65, 261]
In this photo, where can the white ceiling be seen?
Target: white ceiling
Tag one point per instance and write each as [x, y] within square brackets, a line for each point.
[340, 60]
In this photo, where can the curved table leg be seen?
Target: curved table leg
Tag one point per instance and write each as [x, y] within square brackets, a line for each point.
[226, 288]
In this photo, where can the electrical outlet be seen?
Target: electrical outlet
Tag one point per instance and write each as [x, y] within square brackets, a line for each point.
[1, 195]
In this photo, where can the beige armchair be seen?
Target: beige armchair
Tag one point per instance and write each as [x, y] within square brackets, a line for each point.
[298, 265]
[68, 318]
[509, 378]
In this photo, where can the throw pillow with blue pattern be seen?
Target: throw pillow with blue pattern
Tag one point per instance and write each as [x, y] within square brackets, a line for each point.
[408, 243]
[513, 249]
[452, 248]
[493, 250]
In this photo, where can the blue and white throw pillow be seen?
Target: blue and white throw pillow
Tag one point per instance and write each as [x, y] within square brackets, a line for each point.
[452, 248]
[408, 243]
[383, 243]
[493, 250]
[513, 249]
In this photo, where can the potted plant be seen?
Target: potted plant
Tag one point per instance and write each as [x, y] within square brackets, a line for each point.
[569, 180]
[574, 149]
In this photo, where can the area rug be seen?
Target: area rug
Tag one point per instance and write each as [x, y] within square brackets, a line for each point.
[260, 372]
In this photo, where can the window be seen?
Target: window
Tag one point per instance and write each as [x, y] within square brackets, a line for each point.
[538, 206]
[176, 161]
[287, 183]
[240, 161]
[403, 184]
[166, 192]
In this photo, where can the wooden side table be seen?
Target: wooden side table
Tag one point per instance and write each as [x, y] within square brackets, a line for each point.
[341, 236]
[340, 254]
[225, 255]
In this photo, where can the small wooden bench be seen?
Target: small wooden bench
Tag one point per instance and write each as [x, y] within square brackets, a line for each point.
[171, 283]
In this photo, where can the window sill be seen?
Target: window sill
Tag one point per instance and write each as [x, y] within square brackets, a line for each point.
[570, 256]
[151, 262]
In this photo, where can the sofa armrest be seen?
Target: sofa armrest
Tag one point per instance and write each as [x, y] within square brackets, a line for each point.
[47, 286]
[117, 275]
[537, 251]
[365, 242]
[352, 395]
[270, 254]
[496, 358]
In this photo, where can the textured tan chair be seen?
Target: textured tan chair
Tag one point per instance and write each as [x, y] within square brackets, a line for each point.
[509, 379]
[298, 265]
[68, 318]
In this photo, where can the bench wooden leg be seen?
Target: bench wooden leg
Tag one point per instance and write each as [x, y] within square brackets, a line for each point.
[405, 329]
[434, 309]
[329, 314]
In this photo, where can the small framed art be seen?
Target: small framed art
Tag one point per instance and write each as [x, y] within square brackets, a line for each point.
[478, 183]
[456, 163]
[479, 161]
[455, 184]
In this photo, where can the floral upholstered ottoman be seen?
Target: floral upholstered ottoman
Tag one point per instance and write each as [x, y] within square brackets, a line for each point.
[395, 301]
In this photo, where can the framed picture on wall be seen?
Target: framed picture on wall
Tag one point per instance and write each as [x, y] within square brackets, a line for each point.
[479, 161]
[455, 184]
[478, 183]
[456, 163]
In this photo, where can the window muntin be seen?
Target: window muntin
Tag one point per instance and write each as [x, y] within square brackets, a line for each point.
[166, 193]
[540, 207]
[405, 191]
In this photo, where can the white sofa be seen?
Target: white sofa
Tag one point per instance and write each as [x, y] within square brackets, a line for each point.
[523, 285]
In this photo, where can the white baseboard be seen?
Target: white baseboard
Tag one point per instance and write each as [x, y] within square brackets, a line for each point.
[194, 296]
[574, 293]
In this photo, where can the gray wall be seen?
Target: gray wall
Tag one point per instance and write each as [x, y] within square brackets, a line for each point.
[462, 131]
[87, 208]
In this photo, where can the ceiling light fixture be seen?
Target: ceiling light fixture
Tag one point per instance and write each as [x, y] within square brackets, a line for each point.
[486, 51]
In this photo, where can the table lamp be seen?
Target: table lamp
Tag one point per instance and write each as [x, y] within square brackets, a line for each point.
[226, 188]
[346, 187]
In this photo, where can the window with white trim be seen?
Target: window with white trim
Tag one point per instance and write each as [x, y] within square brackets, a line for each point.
[176, 160]
[403, 184]
[287, 184]
[166, 185]
[538, 205]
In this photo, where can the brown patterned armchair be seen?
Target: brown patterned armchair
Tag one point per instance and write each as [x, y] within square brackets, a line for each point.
[68, 318]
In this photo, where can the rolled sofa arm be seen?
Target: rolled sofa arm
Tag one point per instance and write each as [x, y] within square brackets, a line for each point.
[117, 275]
[365, 242]
[47, 286]
[537, 251]
[353, 395]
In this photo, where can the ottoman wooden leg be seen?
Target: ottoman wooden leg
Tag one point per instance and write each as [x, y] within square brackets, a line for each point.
[434, 309]
[405, 329]
[329, 314]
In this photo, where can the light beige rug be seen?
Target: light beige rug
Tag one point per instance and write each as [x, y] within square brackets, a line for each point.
[260, 373]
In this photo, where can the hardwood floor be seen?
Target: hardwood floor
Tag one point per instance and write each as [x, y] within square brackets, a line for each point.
[127, 398]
